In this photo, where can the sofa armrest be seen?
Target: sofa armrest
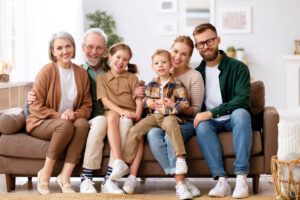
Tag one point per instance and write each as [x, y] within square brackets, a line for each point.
[270, 135]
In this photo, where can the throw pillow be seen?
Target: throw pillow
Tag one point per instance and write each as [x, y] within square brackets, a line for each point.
[11, 120]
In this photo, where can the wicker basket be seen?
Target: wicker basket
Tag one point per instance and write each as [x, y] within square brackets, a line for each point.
[286, 181]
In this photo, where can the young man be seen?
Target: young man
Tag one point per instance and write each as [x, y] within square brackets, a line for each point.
[226, 108]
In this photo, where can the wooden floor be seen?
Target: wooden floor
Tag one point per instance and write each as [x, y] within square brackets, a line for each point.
[154, 186]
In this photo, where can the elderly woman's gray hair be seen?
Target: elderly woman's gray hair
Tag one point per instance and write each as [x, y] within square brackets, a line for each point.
[96, 31]
[60, 35]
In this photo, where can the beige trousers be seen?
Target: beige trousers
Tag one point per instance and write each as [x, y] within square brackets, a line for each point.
[95, 141]
[170, 124]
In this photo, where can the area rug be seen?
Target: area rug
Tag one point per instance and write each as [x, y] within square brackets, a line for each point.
[79, 196]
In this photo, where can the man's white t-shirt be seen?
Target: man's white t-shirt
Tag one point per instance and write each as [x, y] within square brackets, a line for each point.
[213, 96]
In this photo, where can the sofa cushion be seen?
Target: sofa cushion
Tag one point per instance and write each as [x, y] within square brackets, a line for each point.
[193, 150]
[257, 97]
[11, 120]
[21, 145]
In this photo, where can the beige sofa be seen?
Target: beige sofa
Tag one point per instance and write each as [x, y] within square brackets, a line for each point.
[23, 155]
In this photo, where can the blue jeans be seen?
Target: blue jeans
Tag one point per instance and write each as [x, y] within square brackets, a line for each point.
[207, 136]
[162, 148]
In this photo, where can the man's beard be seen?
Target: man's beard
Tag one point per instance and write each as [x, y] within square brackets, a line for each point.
[210, 57]
[94, 62]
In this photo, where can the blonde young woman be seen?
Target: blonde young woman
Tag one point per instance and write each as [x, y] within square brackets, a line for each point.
[161, 146]
[61, 112]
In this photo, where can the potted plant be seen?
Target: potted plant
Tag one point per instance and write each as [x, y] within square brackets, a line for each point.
[231, 51]
[100, 19]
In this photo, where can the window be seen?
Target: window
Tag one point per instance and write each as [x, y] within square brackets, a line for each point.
[7, 33]
[25, 29]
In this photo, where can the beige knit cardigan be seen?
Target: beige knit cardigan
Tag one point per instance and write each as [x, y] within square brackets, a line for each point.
[48, 94]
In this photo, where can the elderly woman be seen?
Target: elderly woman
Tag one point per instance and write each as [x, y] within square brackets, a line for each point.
[61, 112]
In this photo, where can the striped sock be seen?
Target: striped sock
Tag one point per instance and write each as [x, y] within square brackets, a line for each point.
[86, 174]
[109, 170]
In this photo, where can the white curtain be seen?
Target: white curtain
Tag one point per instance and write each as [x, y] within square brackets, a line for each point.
[6, 30]
[35, 22]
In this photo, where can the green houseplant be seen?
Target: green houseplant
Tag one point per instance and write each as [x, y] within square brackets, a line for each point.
[231, 51]
[100, 19]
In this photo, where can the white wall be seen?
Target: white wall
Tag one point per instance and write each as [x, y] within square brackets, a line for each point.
[275, 26]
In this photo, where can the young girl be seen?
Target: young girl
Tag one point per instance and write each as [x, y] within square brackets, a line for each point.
[115, 89]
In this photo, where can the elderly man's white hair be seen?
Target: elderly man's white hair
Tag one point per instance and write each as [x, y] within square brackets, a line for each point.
[97, 31]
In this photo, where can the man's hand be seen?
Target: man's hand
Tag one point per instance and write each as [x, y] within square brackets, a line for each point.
[31, 97]
[203, 116]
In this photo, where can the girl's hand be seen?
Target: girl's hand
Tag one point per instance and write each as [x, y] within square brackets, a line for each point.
[169, 103]
[127, 113]
[136, 118]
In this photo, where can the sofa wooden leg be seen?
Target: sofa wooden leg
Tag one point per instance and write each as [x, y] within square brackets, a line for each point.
[10, 182]
[255, 183]
[29, 179]
[143, 180]
[13, 183]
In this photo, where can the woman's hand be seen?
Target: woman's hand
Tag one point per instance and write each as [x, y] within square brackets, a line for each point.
[68, 115]
[140, 90]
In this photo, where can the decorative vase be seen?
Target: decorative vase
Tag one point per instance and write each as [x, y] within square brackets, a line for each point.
[240, 55]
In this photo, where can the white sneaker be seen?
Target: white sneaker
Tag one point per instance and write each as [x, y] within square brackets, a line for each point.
[87, 186]
[221, 189]
[182, 191]
[181, 166]
[193, 189]
[129, 184]
[119, 170]
[241, 188]
[111, 187]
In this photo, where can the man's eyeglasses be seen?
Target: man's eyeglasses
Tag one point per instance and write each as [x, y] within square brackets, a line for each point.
[208, 42]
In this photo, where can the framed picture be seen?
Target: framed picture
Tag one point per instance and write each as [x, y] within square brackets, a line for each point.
[167, 6]
[234, 20]
[167, 28]
[195, 12]
[297, 47]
